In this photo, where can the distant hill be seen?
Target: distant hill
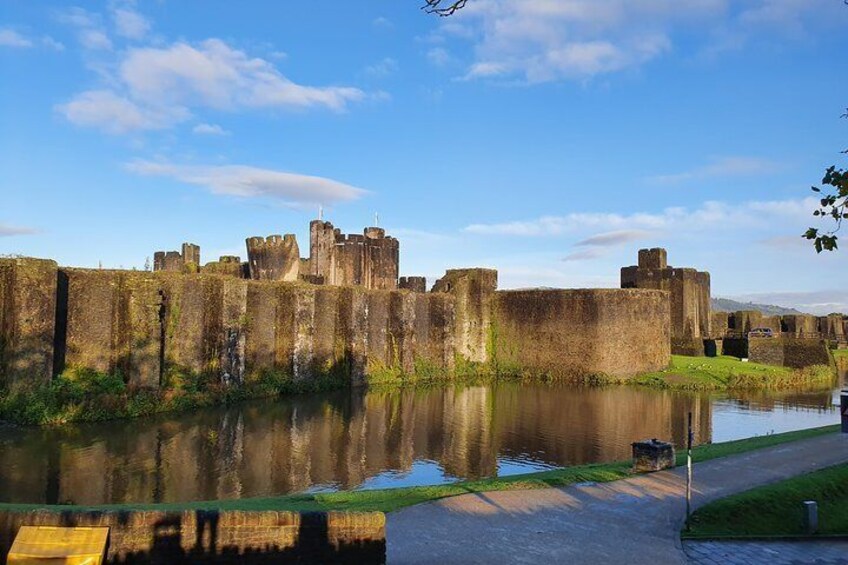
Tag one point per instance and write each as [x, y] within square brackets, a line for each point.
[728, 305]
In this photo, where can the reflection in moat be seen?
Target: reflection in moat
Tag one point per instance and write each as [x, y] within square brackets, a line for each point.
[355, 438]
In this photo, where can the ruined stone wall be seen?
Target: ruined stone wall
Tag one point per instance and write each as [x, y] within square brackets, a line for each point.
[720, 323]
[563, 333]
[211, 536]
[473, 290]
[788, 351]
[27, 323]
[275, 258]
[415, 284]
[227, 265]
[799, 324]
[831, 327]
[187, 261]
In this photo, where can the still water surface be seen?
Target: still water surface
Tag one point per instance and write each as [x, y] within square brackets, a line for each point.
[358, 439]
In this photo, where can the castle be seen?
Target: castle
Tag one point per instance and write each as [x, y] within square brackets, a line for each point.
[370, 260]
[344, 312]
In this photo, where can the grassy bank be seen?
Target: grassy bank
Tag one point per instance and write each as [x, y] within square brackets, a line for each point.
[730, 373]
[387, 500]
[776, 510]
[89, 396]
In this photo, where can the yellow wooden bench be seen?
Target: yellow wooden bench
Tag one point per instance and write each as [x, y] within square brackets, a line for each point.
[40, 545]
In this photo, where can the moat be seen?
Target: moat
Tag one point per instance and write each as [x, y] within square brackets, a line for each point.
[373, 439]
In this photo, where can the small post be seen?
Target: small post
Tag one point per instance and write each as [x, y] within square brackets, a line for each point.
[811, 517]
[843, 409]
[689, 472]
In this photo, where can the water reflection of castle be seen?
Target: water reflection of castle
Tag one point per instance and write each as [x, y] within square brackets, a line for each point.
[342, 439]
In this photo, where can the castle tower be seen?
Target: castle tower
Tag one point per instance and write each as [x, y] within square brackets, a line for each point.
[691, 319]
[370, 260]
[322, 244]
[275, 258]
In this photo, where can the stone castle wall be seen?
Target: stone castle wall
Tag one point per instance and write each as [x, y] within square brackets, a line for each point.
[28, 290]
[565, 333]
[132, 322]
[154, 327]
[788, 351]
[691, 319]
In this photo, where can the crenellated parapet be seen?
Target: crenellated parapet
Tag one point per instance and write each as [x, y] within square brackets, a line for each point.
[415, 284]
[275, 258]
[187, 261]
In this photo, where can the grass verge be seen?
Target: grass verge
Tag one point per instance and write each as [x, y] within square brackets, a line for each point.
[388, 500]
[729, 373]
[776, 510]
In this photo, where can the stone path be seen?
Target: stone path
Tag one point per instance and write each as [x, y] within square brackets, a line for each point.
[635, 520]
[767, 552]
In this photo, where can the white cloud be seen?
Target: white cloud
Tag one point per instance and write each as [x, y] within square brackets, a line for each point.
[438, 56]
[382, 68]
[130, 24]
[709, 215]
[115, 114]
[11, 38]
[215, 75]
[722, 167]
[7, 230]
[383, 23]
[90, 32]
[95, 39]
[209, 129]
[246, 181]
[538, 41]
[160, 86]
[48, 41]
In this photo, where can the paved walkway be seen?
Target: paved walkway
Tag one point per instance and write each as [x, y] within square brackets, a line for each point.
[767, 552]
[634, 520]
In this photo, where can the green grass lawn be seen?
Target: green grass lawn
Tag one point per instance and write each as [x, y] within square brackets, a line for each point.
[387, 500]
[776, 510]
[728, 373]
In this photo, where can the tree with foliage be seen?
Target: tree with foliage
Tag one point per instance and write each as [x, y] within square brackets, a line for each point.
[833, 203]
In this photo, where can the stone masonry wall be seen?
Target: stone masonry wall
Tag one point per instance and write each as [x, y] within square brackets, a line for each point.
[788, 352]
[210, 536]
[689, 301]
[155, 328]
[473, 290]
[27, 322]
[564, 333]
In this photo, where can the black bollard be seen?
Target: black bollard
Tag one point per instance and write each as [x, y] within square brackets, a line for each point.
[843, 409]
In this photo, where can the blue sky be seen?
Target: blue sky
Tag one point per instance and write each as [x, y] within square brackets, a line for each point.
[549, 139]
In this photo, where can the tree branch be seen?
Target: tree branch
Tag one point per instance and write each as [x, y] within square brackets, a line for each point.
[442, 8]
